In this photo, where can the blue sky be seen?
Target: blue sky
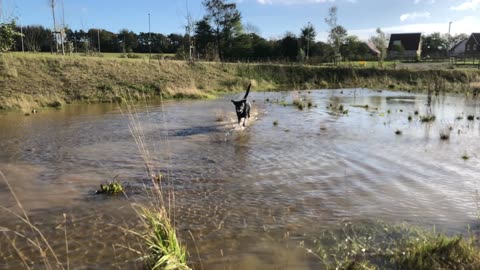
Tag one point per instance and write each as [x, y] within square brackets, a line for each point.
[272, 17]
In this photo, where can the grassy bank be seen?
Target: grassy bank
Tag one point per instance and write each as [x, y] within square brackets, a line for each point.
[31, 81]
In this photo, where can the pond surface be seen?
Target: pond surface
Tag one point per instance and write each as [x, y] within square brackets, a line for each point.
[248, 197]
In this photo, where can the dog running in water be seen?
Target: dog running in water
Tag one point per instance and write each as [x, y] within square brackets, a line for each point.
[242, 107]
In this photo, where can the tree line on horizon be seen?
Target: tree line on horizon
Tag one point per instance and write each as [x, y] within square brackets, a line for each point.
[220, 35]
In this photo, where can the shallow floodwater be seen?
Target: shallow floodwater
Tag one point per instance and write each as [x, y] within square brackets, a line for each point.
[248, 197]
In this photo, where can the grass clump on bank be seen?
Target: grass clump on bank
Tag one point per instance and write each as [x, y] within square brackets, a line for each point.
[381, 246]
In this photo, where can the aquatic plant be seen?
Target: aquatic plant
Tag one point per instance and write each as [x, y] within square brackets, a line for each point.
[465, 157]
[111, 188]
[445, 133]
[409, 118]
[299, 104]
[388, 111]
[415, 112]
[164, 251]
[398, 132]
[340, 108]
[382, 246]
[309, 104]
[470, 117]
[275, 123]
[427, 118]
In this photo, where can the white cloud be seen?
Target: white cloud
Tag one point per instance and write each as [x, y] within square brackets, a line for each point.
[467, 5]
[430, 1]
[292, 2]
[414, 15]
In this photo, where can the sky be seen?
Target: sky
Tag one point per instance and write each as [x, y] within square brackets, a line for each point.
[272, 18]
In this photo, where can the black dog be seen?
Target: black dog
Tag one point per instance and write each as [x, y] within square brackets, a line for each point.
[242, 107]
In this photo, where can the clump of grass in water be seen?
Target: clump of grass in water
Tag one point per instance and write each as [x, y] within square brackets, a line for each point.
[299, 104]
[465, 157]
[164, 249]
[110, 188]
[410, 118]
[381, 246]
[398, 132]
[275, 123]
[470, 117]
[427, 118]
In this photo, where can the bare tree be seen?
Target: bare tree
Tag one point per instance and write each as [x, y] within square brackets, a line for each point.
[337, 33]
[189, 28]
[381, 43]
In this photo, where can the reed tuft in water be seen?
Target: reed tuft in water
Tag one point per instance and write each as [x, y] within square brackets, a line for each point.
[427, 118]
[111, 188]
[164, 251]
[299, 104]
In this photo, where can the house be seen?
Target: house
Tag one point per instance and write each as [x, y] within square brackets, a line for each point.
[405, 46]
[472, 47]
[458, 49]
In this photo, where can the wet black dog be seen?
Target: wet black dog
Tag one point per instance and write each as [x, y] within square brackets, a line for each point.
[242, 107]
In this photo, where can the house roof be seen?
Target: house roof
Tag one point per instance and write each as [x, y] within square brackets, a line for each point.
[460, 44]
[373, 48]
[476, 37]
[409, 41]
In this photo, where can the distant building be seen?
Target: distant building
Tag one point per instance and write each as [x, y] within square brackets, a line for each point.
[405, 46]
[472, 47]
[458, 49]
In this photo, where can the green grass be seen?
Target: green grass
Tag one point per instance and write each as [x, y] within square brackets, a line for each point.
[36, 80]
[164, 251]
[381, 246]
[111, 188]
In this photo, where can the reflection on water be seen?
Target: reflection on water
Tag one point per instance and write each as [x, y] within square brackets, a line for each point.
[248, 196]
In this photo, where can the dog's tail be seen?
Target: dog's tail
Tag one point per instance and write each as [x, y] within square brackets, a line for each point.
[248, 91]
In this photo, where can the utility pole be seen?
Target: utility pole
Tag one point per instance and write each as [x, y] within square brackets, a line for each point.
[98, 38]
[21, 32]
[308, 39]
[449, 38]
[149, 40]
[62, 30]
[54, 36]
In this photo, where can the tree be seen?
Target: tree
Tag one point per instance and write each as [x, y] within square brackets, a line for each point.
[289, 46]
[7, 36]
[226, 23]
[353, 49]
[128, 41]
[381, 43]
[434, 45]
[307, 38]
[204, 37]
[337, 33]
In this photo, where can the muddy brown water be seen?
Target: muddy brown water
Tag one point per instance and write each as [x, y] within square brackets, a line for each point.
[249, 197]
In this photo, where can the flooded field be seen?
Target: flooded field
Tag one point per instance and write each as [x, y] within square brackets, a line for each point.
[248, 197]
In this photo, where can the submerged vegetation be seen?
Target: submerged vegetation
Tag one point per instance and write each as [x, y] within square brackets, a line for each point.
[381, 246]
